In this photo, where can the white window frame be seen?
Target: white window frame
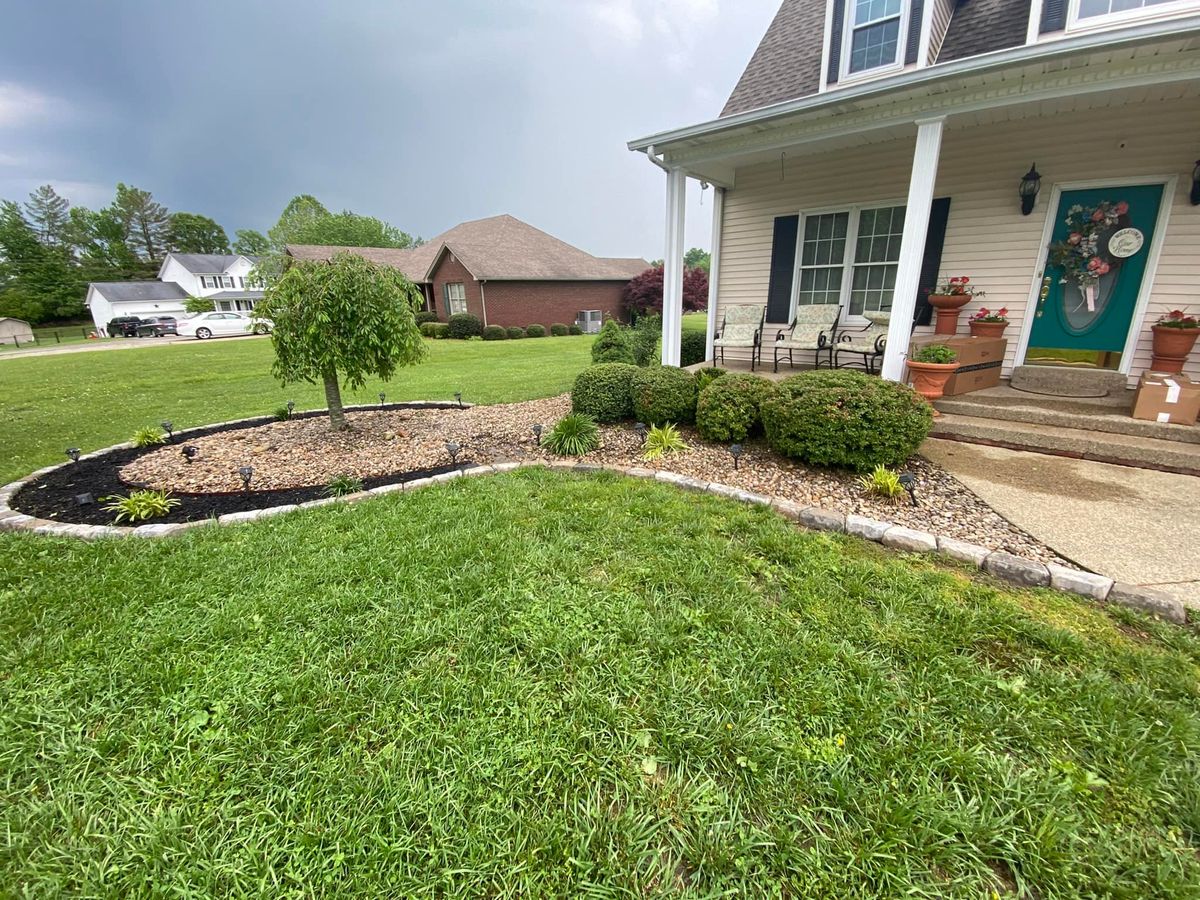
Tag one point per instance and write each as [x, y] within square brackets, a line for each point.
[854, 212]
[450, 301]
[848, 27]
[1126, 16]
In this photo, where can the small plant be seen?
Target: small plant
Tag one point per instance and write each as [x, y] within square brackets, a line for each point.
[574, 329]
[139, 506]
[883, 483]
[986, 315]
[463, 326]
[341, 485]
[535, 331]
[613, 344]
[662, 440]
[939, 354]
[148, 437]
[574, 435]
[558, 330]
[956, 286]
[707, 375]
[1177, 318]
[495, 333]
[281, 414]
[644, 339]
[515, 333]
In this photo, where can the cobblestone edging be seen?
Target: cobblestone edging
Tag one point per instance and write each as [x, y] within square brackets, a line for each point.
[1016, 570]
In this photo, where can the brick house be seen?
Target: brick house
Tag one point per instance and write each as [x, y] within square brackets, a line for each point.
[507, 273]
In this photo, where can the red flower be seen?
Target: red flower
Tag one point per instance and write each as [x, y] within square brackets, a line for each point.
[1075, 238]
[965, 279]
[1121, 208]
[1002, 311]
[1098, 216]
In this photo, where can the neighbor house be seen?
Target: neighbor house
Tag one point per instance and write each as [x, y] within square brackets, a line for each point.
[225, 279]
[15, 331]
[505, 272]
[872, 146]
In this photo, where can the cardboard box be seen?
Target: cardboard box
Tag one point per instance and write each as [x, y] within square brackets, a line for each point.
[1167, 398]
[979, 360]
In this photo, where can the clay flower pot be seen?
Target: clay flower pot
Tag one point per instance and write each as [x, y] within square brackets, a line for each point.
[1171, 347]
[948, 307]
[929, 379]
[988, 329]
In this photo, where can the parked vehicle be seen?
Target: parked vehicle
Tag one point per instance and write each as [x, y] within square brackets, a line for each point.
[157, 326]
[123, 326]
[221, 324]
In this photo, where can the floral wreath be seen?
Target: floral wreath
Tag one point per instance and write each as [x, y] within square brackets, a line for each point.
[1080, 256]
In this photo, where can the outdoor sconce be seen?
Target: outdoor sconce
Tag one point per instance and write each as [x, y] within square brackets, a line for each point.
[1196, 184]
[169, 428]
[73, 453]
[247, 472]
[1030, 185]
[458, 398]
[909, 482]
[84, 499]
[452, 448]
[382, 399]
[735, 451]
[291, 404]
[640, 428]
[190, 452]
[537, 433]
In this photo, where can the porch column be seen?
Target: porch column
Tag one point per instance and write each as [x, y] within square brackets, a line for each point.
[912, 245]
[714, 269]
[672, 318]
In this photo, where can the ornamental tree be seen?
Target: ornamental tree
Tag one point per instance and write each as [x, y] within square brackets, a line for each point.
[644, 294]
[341, 321]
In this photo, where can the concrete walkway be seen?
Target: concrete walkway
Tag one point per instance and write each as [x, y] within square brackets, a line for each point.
[1134, 525]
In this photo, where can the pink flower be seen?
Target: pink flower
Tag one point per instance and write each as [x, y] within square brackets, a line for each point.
[1121, 208]
[965, 279]
[1075, 238]
[1098, 216]
[1002, 311]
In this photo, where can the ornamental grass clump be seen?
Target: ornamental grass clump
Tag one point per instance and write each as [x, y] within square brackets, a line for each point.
[574, 435]
[663, 394]
[603, 392]
[729, 408]
[662, 440]
[139, 506]
[343, 485]
[882, 482]
[148, 437]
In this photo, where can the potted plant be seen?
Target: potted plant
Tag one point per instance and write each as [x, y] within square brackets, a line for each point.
[948, 298]
[930, 368]
[1175, 334]
[988, 324]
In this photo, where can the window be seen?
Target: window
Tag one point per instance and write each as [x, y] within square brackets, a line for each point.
[456, 297]
[873, 38]
[1088, 11]
[850, 257]
[216, 281]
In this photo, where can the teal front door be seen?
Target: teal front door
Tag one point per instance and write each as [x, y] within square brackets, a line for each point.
[1094, 272]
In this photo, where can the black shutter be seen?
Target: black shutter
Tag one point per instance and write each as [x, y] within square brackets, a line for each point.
[835, 41]
[1054, 15]
[913, 47]
[931, 262]
[783, 269]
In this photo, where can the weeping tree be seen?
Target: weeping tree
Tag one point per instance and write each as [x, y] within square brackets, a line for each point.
[341, 322]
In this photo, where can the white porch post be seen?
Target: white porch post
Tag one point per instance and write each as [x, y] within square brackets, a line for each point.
[714, 268]
[672, 318]
[912, 245]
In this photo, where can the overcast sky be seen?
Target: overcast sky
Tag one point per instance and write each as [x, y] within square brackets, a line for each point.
[425, 114]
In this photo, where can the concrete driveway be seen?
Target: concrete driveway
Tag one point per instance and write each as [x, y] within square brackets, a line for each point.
[117, 344]
[1134, 525]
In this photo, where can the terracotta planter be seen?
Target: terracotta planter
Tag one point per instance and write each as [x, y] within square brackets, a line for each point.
[948, 307]
[929, 379]
[1171, 347]
[988, 329]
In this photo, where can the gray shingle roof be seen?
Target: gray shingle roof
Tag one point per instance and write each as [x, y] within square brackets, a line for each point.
[114, 291]
[787, 63]
[208, 263]
[235, 295]
[980, 26]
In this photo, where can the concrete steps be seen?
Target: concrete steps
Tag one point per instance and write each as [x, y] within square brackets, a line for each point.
[1064, 381]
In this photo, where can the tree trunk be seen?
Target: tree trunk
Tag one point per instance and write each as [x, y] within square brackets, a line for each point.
[333, 399]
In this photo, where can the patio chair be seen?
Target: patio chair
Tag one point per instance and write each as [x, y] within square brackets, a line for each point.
[814, 330]
[866, 342]
[741, 328]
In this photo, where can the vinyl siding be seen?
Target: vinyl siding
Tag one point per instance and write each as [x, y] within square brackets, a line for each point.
[987, 237]
[940, 22]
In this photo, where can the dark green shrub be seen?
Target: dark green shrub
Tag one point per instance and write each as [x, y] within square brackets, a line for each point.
[644, 338]
[707, 375]
[425, 316]
[663, 394]
[558, 329]
[574, 435]
[515, 334]
[495, 333]
[464, 325]
[728, 409]
[692, 345]
[603, 392]
[441, 330]
[429, 329]
[612, 344]
[845, 419]
[535, 331]
[574, 329]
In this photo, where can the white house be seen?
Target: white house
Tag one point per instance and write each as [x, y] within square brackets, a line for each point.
[223, 278]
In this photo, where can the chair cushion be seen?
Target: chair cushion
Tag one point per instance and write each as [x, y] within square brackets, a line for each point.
[737, 335]
[806, 337]
[817, 314]
[857, 345]
[743, 315]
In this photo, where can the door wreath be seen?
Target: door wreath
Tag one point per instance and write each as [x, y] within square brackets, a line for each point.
[1085, 256]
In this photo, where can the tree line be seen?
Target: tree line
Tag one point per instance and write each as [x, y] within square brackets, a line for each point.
[50, 249]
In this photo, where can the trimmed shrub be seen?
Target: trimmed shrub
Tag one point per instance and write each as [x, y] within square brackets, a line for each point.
[644, 338]
[707, 375]
[558, 329]
[574, 329]
[692, 345]
[435, 329]
[612, 344]
[514, 333]
[845, 419]
[495, 333]
[728, 409]
[464, 325]
[535, 331]
[603, 392]
[663, 394]
[425, 315]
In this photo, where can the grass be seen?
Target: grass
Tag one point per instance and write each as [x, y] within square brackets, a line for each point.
[93, 400]
[52, 337]
[695, 321]
[546, 685]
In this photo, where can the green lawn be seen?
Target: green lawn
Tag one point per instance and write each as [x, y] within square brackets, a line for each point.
[93, 400]
[545, 685]
[695, 321]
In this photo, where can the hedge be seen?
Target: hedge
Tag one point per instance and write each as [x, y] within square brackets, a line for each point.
[426, 315]
[663, 394]
[535, 331]
[514, 333]
[603, 392]
[435, 329]
[728, 409]
[574, 329]
[558, 329]
[495, 333]
[692, 345]
[464, 325]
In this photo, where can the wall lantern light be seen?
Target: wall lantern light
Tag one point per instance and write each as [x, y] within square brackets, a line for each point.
[1030, 185]
[1196, 184]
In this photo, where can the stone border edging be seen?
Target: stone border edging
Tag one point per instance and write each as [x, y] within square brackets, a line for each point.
[1016, 570]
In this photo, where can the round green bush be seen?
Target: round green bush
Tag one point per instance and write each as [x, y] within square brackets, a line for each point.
[692, 345]
[612, 344]
[558, 329]
[429, 329]
[603, 392]
[536, 331]
[425, 315]
[495, 333]
[464, 325]
[515, 334]
[728, 409]
[663, 394]
[441, 330]
[707, 375]
[845, 419]
[574, 329]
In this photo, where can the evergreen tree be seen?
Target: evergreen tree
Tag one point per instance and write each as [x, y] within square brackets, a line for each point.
[146, 222]
[47, 212]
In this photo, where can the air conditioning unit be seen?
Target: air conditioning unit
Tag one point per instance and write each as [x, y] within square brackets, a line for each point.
[590, 320]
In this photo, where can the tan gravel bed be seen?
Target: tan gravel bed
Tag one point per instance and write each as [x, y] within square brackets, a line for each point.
[305, 452]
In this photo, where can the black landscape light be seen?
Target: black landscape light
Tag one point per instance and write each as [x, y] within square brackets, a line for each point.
[452, 448]
[84, 499]
[537, 433]
[458, 398]
[382, 398]
[169, 428]
[1028, 191]
[1196, 184]
[291, 404]
[73, 453]
[735, 450]
[640, 428]
[247, 472]
[909, 482]
[190, 452]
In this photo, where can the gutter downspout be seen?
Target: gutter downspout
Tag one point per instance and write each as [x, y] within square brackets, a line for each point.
[483, 301]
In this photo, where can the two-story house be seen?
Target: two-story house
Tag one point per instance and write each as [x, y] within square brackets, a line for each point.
[872, 146]
[225, 279]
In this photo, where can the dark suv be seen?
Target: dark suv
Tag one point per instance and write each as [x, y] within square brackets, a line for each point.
[123, 326]
[157, 326]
